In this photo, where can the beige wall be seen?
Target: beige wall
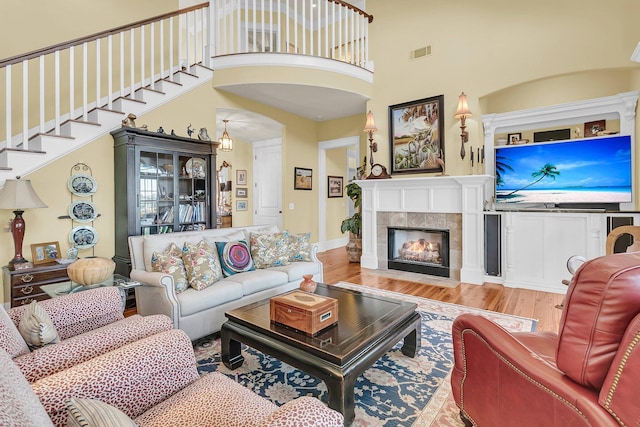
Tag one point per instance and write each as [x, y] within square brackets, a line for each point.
[336, 209]
[505, 55]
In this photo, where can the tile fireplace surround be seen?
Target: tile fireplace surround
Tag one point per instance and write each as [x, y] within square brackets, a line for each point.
[448, 202]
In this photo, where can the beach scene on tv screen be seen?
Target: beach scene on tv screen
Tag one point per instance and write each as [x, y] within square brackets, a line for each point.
[583, 171]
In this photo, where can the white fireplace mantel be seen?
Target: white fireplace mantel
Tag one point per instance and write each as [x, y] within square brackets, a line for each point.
[438, 194]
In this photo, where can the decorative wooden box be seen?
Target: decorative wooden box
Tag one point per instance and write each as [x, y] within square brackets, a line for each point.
[304, 312]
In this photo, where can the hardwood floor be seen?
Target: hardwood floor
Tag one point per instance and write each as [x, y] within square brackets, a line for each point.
[489, 296]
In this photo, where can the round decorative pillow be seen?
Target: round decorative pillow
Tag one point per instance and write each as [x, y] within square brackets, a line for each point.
[235, 257]
[89, 271]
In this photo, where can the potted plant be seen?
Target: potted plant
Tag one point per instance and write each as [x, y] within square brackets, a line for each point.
[353, 224]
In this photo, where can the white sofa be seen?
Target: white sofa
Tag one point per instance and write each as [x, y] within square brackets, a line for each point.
[202, 312]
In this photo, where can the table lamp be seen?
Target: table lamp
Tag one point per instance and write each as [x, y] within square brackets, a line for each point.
[18, 195]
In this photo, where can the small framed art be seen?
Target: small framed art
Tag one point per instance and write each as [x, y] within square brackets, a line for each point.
[241, 177]
[335, 186]
[303, 179]
[241, 205]
[241, 193]
[514, 138]
[45, 252]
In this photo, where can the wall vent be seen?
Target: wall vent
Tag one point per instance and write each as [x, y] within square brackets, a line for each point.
[420, 52]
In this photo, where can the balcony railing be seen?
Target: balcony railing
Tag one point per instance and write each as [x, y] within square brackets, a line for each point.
[46, 87]
[330, 29]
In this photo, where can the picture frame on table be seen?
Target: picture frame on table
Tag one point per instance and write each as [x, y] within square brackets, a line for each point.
[303, 178]
[241, 177]
[416, 135]
[44, 253]
[241, 205]
[592, 128]
[514, 138]
[241, 193]
[335, 186]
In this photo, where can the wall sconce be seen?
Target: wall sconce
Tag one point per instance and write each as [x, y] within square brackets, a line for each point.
[18, 195]
[226, 143]
[370, 128]
[461, 114]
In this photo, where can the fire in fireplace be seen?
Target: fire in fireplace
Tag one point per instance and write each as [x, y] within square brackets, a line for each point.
[419, 250]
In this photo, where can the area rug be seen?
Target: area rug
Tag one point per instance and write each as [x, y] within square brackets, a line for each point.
[395, 391]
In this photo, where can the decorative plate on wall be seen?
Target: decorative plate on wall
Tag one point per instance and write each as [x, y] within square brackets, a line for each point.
[82, 185]
[83, 237]
[83, 211]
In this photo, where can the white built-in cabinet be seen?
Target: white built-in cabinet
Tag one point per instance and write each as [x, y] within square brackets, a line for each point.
[534, 246]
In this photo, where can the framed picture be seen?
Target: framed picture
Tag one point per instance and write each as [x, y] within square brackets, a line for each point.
[513, 138]
[45, 252]
[241, 177]
[335, 186]
[241, 193]
[416, 134]
[241, 205]
[592, 128]
[302, 178]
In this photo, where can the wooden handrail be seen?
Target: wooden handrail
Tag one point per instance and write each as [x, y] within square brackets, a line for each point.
[355, 9]
[60, 46]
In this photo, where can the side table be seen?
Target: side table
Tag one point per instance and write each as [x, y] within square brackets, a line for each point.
[68, 287]
[21, 287]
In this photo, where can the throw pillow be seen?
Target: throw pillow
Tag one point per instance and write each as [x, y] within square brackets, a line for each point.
[170, 262]
[299, 247]
[36, 327]
[234, 257]
[202, 265]
[91, 412]
[270, 250]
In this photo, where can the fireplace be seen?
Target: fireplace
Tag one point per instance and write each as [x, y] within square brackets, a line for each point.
[418, 250]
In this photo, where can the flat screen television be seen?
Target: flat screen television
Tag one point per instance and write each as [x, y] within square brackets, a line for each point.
[591, 171]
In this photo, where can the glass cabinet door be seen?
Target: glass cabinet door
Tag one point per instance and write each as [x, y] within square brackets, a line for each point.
[193, 193]
[157, 190]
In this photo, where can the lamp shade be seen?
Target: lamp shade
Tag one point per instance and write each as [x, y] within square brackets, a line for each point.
[370, 126]
[463, 107]
[18, 194]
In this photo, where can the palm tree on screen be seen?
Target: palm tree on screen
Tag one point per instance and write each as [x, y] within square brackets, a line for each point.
[548, 170]
[501, 167]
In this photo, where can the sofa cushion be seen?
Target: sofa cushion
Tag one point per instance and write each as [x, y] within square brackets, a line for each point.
[10, 339]
[192, 301]
[170, 262]
[92, 412]
[596, 316]
[299, 247]
[202, 264]
[234, 257]
[270, 249]
[259, 280]
[296, 270]
[36, 327]
[20, 406]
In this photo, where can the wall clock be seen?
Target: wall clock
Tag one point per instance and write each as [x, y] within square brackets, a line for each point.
[378, 172]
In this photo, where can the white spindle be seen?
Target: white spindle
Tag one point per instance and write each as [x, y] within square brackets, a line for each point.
[162, 68]
[121, 64]
[246, 26]
[304, 33]
[110, 71]
[56, 79]
[340, 38]
[311, 29]
[152, 52]
[72, 80]
[142, 55]
[85, 81]
[326, 29]
[41, 72]
[264, 26]
[253, 48]
[333, 29]
[171, 44]
[132, 61]
[25, 105]
[279, 13]
[287, 20]
[356, 40]
[187, 47]
[7, 105]
[98, 74]
[366, 43]
[203, 36]
[180, 42]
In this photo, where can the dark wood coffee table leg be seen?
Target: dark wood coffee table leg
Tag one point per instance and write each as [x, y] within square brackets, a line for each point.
[231, 350]
[341, 396]
[412, 341]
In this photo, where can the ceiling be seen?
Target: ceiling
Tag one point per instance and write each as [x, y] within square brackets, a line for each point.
[246, 125]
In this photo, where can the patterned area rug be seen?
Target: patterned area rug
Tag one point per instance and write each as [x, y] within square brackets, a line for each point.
[395, 391]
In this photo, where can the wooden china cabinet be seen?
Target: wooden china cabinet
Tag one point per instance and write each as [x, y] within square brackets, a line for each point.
[163, 184]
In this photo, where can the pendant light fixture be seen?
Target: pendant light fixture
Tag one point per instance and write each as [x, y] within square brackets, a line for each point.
[226, 143]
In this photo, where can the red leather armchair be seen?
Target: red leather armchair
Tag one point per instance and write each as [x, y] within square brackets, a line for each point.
[588, 374]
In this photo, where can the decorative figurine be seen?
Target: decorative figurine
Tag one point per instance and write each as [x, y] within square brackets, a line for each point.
[189, 130]
[129, 121]
[160, 130]
[203, 135]
[173, 133]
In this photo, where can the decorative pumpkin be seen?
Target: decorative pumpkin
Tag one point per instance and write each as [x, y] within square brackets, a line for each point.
[89, 271]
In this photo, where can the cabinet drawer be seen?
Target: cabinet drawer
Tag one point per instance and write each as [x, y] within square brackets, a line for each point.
[26, 290]
[17, 302]
[40, 277]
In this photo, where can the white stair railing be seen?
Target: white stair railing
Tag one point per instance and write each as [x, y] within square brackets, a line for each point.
[330, 29]
[45, 88]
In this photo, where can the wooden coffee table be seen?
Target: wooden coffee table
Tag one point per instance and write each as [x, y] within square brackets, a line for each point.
[368, 326]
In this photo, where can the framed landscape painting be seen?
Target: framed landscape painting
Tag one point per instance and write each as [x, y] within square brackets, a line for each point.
[416, 135]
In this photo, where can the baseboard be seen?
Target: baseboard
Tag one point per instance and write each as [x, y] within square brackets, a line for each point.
[332, 244]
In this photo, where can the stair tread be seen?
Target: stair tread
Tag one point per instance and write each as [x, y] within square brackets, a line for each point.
[22, 150]
[152, 90]
[164, 79]
[81, 121]
[129, 99]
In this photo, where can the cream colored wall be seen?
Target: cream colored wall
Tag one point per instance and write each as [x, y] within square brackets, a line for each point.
[484, 47]
[336, 206]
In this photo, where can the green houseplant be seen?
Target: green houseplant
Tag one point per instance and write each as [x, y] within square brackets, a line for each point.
[353, 224]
